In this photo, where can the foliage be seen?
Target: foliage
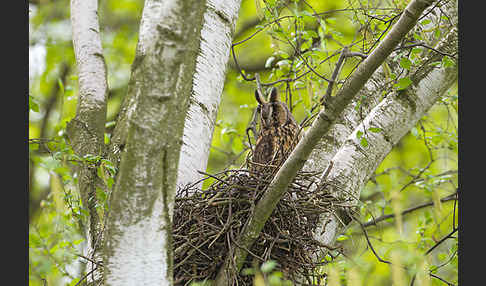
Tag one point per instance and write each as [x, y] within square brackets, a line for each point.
[288, 42]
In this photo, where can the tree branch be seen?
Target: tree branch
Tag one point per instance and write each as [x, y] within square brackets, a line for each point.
[355, 163]
[409, 210]
[86, 130]
[320, 126]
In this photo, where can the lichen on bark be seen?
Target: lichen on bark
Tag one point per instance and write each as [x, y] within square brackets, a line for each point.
[142, 199]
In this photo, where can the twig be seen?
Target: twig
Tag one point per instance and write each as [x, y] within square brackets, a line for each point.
[441, 241]
[327, 116]
[424, 45]
[89, 259]
[369, 242]
[214, 177]
[409, 210]
[86, 276]
[335, 74]
[441, 279]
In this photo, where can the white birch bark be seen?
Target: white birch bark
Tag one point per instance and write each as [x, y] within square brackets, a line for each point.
[352, 164]
[139, 229]
[86, 130]
[328, 145]
[321, 125]
[216, 36]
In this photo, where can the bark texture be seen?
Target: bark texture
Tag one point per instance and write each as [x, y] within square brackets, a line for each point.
[216, 35]
[326, 117]
[138, 239]
[395, 115]
[86, 130]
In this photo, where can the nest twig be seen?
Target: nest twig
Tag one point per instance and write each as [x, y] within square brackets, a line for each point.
[208, 222]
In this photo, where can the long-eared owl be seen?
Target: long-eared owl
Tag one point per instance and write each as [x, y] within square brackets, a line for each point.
[278, 134]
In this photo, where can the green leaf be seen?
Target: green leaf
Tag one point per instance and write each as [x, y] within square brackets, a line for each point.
[274, 280]
[312, 33]
[298, 84]
[101, 195]
[78, 241]
[437, 33]
[284, 65]
[359, 134]
[33, 104]
[342, 237]
[268, 266]
[33, 146]
[109, 182]
[100, 172]
[74, 281]
[416, 50]
[403, 83]
[271, 3]
[228, 131]
[90, 158]
[61, 86]
[248, 271]
[405, 63]
[363, 142]
[417, 36]
[375, 129]
[447, 62]
[282, 54]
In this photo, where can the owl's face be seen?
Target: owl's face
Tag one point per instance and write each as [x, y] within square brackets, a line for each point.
[278, 134]
[273, 113]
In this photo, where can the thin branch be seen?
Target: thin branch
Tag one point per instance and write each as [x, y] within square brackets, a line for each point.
[363, 228]
[441, 241]
[409, 210]
[424, 45]
[319, 128]
[86, 276]
[441, 279]
[389, 22]
[335, 74]
[89, 259]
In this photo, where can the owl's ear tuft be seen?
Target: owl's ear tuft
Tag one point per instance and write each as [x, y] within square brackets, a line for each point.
[274, 95]
[258, 97]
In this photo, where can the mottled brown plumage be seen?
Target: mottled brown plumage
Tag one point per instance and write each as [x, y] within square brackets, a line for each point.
[278, 135]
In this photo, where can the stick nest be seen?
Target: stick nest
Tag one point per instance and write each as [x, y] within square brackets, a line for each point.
[207, 223]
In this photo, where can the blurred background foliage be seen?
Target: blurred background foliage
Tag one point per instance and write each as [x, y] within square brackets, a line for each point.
[418, 177]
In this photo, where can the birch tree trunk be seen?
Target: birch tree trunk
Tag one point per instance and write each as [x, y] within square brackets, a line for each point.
[333, 108]
[164, 129]
[138, 239]
[216, 36]
[86, 130]
[395, 115]
[165, 144]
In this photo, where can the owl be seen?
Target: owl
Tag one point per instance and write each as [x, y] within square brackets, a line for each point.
[278, 134]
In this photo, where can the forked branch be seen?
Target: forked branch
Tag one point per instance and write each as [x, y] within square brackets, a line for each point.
[325, 119]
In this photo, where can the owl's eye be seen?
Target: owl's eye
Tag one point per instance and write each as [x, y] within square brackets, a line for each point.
[266, 111]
